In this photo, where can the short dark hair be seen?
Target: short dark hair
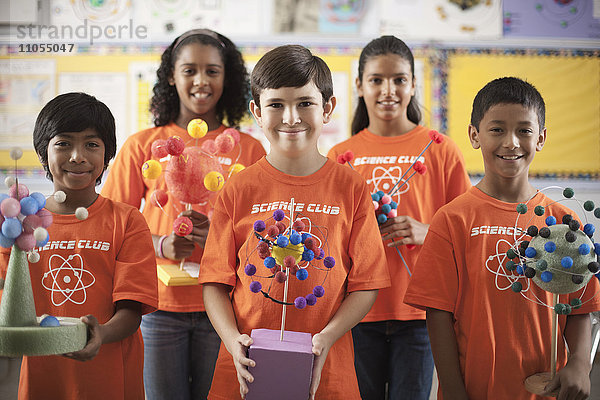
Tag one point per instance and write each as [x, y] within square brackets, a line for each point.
[508, 90]
[290, 66]
[380, 47]
[74, 112]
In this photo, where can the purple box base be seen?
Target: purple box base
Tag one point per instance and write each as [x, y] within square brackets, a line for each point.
[283, 368]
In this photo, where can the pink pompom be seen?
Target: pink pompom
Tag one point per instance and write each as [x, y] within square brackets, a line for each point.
[185, 175]
[294, 268]
[420, 167]
[340, 159]
[262, 246]
[23, 191]
[289, 261]
[375, 205]
[10, 207]
[175, 145]
[280, 276]
[298, 226]
[273, 231]
[209, 146]
[386, 199]
[264, 254]
[159, 198]
[31, 222]
[393, 213]
[281, 226]
[225, 143]
[182, 226]
[348, 156]
[159, 148]
[25, 241]
[234, 133]
[46, 217]
[436, 136]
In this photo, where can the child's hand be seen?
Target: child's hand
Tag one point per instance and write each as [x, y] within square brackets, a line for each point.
[201, 225]
[94, 342]
[572, 382]
[320, 347]
[176, 247]
[238, 349]
[408, 229]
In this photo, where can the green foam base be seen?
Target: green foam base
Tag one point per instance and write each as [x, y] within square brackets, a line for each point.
[17, 341]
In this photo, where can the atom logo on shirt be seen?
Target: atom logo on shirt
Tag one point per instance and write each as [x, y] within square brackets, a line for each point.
[67, 280]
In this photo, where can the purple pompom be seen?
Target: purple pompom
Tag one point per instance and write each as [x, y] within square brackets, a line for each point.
[319, 291]
[321, 254]
[329, 262]
[300, 302]
[255, 286]
[278, 215]
[250, 269]
[311, 299]
[259, 225]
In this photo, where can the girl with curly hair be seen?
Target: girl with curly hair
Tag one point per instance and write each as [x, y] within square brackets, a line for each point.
[201, 75]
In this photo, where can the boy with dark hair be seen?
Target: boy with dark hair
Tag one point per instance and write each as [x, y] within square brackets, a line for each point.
[293, 98]
[487, 341]
[101, 267]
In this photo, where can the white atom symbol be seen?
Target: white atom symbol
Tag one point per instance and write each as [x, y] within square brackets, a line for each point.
[67, 273]
[384, 179]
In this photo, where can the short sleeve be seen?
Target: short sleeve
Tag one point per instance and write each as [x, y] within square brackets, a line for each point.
[369, 264]
[457, 180]
[135, 269]
[434, 282]
[125, 182]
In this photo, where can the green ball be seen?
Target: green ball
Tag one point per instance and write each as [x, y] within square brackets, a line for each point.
[541, 264]
[588, 205]
[597, 212]
[559, 308]
[568, 193]
[539, 210]
[510, 253]
[510, 265]
[516, 287]
[575, 303]
[521, 208]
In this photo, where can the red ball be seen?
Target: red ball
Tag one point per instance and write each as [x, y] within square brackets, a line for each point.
[175, 145]
[46, 217]
[340, 159]
[262, 246]
[31, 222]
[182, 226]
[25, 241]
[298, 226]
[294, 268]
[159, 198]
[159, 148]
[289, 261]
[281, 226]
[209, 146]
[272, 230]
[264, 254]
[225, 143]
[233, 133]
[348, 156]
[280, 276]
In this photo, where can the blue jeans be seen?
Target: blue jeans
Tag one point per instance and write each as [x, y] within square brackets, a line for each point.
[396, 354]
[180, 351]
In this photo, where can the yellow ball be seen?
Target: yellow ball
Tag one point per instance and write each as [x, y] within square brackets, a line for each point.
[197, 128]
[151, 169]
[235, 168]
[214, 181]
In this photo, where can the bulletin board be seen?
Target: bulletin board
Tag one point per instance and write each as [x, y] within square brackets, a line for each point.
[570, 86]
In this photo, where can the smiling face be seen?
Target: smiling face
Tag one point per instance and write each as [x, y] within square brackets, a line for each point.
[509, 136]
[76, 160]
[199, 76]
[387, 86]
[292, 119]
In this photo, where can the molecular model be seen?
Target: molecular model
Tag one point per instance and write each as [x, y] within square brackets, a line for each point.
[288, 250]
[193, 171]
[560, 258]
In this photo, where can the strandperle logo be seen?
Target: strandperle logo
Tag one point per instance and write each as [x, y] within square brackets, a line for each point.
[85, 31]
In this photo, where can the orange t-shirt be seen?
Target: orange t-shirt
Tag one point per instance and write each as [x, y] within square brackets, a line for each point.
[382, 161]
[502, 337]
[125, 183]
[337, 202]
[86, 267]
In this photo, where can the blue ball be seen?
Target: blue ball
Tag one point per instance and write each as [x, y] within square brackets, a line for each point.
[394, 205]
[546, 276]
[550, 247]
[302, 274]
[382, 218]
[42, 243]
[40, 198]
[530, 252]
[550, 220]
[308, 255]
[3, 196]
[282, 241]
[11, 228]
[597, 248]
[375, 197]
[255, 286]
[270, 262]
[520, 269]
[305, 236]
[584, 249]
[566, 262]
[295, 238]
[250, 269]
[49, 320]
[589, 229]
[29, 205]
[386, 208]
[6, 242]
[380, 193]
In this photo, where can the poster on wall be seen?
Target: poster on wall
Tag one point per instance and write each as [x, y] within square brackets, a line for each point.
[552, 18]
[442, 19]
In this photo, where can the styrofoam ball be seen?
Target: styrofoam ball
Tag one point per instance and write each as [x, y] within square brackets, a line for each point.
[214, 181]
[197, 128]
[23, 191]
[159, 148]
[151, 169]
[49, 321]
[182, 226]
[60, 196]
[81, 213]
[16, 153]
[159, 198]
[42, 243]
[33, 257]
[6, 242]
[209, 146]
[25, 241]
[10, 207]
[9, 181]
[29, 205]
[40, 234]
[234, 133]
[46, 217]
[235, 168]
[12, 228]
[31, 222]
[175, 145]
[39, 198]
[225, 143]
